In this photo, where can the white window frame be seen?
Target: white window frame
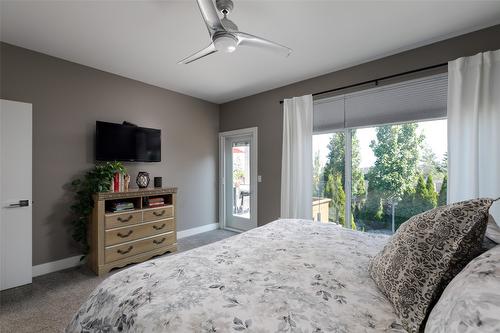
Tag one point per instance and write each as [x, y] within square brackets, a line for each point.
[348, 175]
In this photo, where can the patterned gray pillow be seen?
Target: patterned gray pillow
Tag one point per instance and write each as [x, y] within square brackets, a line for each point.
[424, 255]
[471, 302]
[493, 230]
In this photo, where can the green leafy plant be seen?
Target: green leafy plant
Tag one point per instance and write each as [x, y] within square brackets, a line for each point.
[238, 174]
[96, 180]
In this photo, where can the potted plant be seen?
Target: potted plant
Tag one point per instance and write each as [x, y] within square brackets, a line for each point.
[98, 179]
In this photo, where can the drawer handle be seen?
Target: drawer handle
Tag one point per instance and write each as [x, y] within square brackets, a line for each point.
[157, 242]
[120, 251]
[125, 220]
[159, 227]
[126, 235]
[159, 214]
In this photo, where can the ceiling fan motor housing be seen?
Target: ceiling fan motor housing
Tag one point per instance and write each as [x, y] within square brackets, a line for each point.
[224, 6]
[225, 42]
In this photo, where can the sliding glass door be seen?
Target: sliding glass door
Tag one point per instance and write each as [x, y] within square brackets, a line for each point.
[373, 179]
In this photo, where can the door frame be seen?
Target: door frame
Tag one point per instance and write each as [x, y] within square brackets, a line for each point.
[254, 133]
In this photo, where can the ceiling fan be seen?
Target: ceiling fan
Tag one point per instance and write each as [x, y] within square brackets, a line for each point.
[225, 35]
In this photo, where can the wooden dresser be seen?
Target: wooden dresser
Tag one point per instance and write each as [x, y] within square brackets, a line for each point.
[120, 238]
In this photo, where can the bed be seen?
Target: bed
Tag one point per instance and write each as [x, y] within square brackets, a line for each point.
[286, 276]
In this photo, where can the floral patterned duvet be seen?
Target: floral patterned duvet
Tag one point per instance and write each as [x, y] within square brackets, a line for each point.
[287, 276]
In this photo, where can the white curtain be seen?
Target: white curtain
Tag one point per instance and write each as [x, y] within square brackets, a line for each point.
[474, 128]
[296, 167]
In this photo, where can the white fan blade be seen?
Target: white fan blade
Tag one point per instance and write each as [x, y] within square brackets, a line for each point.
[210, 16]
[251, 40]
[200, 54]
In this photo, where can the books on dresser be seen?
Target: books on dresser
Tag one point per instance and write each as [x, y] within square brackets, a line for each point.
[155, 202]
[120, 182]
[121, 206]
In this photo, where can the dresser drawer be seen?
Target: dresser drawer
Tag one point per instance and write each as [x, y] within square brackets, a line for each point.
[121, 219]
[158, 213]
[125, 250]
[126, 234]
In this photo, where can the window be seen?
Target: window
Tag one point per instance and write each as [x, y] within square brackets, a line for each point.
[373, 178]
[328, 177]
[241, 178]
[396, 171]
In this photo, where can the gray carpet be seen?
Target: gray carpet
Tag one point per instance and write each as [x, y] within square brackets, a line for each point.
[48, 304]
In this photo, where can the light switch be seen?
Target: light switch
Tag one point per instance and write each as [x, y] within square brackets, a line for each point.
[259, 179]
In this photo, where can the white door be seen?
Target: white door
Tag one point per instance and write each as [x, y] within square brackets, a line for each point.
[238, 181]
[15, 194]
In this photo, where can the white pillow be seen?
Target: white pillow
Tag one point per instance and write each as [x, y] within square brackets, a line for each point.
[493, 230]
[471, 301]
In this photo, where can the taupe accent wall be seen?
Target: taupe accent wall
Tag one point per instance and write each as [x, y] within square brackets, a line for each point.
[67, 100]
[264, 111]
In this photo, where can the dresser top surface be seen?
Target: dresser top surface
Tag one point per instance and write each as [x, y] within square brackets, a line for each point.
[134, 193]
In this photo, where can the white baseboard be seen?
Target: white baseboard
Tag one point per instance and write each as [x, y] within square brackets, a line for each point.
[70, 262]
[58, 265]
[197, 230]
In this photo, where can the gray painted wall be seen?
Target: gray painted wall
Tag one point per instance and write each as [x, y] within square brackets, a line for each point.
[264, 111]
[67, 99]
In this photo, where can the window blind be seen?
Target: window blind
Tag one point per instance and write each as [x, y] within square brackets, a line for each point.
[328, 114]
[419, 99]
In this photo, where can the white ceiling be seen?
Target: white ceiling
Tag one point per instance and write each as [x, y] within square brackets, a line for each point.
[144, 40]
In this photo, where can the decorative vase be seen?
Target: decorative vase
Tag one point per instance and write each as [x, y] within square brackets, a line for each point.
[142, 179]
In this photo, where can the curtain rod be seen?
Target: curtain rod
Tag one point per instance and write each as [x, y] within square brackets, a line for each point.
[377, 80]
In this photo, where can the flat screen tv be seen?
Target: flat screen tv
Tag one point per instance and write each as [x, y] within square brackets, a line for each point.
[117, 142]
